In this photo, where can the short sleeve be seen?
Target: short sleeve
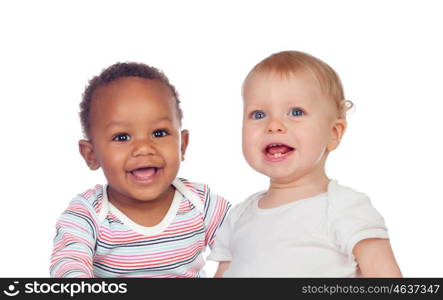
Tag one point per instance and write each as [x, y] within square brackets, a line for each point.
[352, 218]
[215, 212]
[221, 248]
[74, 242]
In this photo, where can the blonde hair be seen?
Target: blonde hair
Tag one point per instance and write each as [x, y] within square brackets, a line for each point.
[288, 63]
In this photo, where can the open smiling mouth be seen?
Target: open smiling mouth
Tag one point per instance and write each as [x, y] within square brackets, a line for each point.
[276, 151]
[144, 174]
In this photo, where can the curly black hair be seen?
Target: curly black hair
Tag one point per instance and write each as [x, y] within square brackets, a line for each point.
[114, 72]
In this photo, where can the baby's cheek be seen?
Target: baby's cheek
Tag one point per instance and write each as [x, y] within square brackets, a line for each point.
[247, 145]
[252, 157]
[112, 164]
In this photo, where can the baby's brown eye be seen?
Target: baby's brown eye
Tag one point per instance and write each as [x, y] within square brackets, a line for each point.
[123, 137]
[160, 133]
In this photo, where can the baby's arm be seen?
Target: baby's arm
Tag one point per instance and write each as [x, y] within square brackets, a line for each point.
[222, 267]
[74, 243]
[376, 259]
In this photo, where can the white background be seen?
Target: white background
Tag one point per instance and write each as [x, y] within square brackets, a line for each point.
[388, 54]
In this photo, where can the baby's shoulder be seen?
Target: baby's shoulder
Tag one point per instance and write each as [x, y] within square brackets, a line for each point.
[89, 201]
[196, 188]
[346, 202]
[342, 197]
[245, 205]
[201, 191]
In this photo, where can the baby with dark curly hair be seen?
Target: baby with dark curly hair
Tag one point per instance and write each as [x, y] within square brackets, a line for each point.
[144, 222]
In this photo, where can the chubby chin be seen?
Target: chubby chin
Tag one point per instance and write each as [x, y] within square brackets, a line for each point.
[275, 171]
[145, 194]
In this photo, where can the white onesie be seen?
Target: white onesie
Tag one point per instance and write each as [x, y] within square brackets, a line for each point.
[311, 237]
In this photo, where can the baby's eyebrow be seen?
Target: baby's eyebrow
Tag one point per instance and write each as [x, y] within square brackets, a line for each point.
[117, 123]
[127, 123]
[254, 106]
[163, 119]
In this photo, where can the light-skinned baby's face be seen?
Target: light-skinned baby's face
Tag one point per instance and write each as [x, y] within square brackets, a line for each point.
[289, 126]
[135, 138]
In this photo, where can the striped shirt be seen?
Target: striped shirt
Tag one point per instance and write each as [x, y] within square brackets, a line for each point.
[94, 239]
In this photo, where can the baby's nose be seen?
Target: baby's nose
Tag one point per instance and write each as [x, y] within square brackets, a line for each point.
[276, 126]
[143, 147]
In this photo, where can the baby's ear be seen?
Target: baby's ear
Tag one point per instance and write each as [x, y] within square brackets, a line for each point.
[338, 129]
[185, 142]
[87, 151]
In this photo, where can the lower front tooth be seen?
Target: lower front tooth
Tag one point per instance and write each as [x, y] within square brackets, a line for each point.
[277, 155]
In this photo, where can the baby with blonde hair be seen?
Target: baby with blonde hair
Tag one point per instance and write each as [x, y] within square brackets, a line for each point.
[304, 224]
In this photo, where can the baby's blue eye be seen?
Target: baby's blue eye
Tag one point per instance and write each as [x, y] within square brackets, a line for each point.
[258, 114]
[122, 137]
[296, 112]
[160, 133]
